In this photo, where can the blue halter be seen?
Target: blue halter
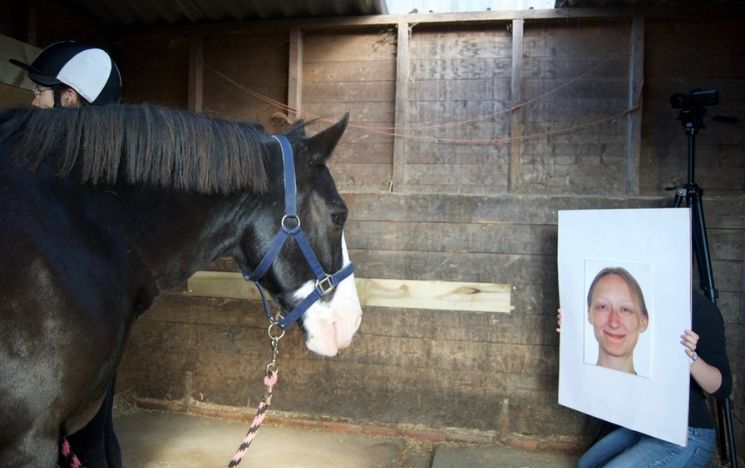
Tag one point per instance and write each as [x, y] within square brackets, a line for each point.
[290, 227]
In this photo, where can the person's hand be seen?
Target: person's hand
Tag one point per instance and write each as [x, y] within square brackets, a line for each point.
[559, 319]
[707, 376]
[689, 339]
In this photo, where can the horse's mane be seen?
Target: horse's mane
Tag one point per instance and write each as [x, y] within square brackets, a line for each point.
[144, 143]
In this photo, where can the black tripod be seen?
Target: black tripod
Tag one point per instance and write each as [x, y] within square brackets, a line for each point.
[692, 119]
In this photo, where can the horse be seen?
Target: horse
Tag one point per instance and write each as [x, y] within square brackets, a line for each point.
[103, 208]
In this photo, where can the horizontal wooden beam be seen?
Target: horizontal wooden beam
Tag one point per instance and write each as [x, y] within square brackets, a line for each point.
[10, 74]
[420, 20]
[10, 96]
[393, 293]
[435, 295]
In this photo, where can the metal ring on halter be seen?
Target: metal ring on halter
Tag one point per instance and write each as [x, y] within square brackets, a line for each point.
[291, 229]
[325, 284]
[269, 330]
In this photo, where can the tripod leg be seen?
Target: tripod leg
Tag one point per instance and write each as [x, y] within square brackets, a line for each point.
[730, 432]
[701, 247]
[680, 197]
[726, 433]
[725, 429]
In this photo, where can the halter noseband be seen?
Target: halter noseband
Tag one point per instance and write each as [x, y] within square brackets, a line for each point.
[290, 227]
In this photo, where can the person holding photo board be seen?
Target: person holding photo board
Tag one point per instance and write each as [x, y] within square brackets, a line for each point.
[710, 375]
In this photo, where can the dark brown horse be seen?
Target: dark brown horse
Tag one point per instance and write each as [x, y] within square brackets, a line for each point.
[104, 208]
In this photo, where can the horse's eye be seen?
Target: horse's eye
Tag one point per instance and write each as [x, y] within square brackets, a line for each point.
[339, 219]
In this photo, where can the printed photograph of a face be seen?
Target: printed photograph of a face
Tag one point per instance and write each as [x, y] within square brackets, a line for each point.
[619, 316]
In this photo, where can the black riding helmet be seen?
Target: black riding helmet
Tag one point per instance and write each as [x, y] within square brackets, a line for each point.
[87, 69]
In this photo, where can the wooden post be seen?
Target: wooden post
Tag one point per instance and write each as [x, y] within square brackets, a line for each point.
[295, 73]
[196, 73]
[634, 119]
[516, 133]
[32, 24]
[402, 102]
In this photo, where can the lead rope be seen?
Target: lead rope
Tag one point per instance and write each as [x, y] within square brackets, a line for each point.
[68, 455]
[270, 379]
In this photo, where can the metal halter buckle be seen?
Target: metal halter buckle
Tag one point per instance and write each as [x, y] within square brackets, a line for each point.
[325, 284]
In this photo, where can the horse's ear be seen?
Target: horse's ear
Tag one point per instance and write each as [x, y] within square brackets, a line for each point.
[322, 144]
[297, 128]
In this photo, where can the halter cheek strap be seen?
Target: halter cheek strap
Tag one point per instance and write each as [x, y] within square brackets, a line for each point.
[290, 228]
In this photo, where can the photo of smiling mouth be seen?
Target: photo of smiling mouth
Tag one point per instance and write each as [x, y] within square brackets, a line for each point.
[614, 336]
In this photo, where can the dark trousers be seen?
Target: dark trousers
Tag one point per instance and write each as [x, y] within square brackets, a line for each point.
[95, 444]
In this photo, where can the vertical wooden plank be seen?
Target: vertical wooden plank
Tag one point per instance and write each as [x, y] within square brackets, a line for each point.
[196, 73]
[295, 73]
[402, 102]
[516, 145]
[32, 32]
[634, 119]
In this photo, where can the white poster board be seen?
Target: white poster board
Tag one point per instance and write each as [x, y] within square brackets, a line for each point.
[653, 246]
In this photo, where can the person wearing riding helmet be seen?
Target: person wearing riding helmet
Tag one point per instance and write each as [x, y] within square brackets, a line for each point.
[74, 74]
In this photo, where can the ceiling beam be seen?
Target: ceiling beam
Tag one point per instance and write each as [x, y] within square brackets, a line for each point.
[434, 19]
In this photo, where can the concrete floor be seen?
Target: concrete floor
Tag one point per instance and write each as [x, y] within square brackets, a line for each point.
[160, 440]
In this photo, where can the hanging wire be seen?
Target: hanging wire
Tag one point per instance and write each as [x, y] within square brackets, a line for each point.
[390, 131]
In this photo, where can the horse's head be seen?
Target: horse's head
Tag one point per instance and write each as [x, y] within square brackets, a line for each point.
[292, 275]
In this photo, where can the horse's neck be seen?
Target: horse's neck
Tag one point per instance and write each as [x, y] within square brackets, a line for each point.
[131, 241]
[176, 234]
[153, 239]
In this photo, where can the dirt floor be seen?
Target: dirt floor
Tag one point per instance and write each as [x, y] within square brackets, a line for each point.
[161, 439]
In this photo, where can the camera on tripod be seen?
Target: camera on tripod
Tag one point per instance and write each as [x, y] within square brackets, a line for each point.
[695, 99]
[692, 107]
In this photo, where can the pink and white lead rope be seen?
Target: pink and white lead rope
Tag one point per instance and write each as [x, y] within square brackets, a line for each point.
[269, 380]
[67, 454]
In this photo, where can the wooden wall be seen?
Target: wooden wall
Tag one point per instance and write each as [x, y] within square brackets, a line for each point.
[354, 72]
[468, 134]
[260, 66]
[591, 61]
[466, 189]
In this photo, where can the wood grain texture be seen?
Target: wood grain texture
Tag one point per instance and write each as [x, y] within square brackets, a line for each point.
[404, 294]
[438, 295]
[12, 96]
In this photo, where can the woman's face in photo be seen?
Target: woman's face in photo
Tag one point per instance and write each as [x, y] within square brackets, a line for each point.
[616, 316]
